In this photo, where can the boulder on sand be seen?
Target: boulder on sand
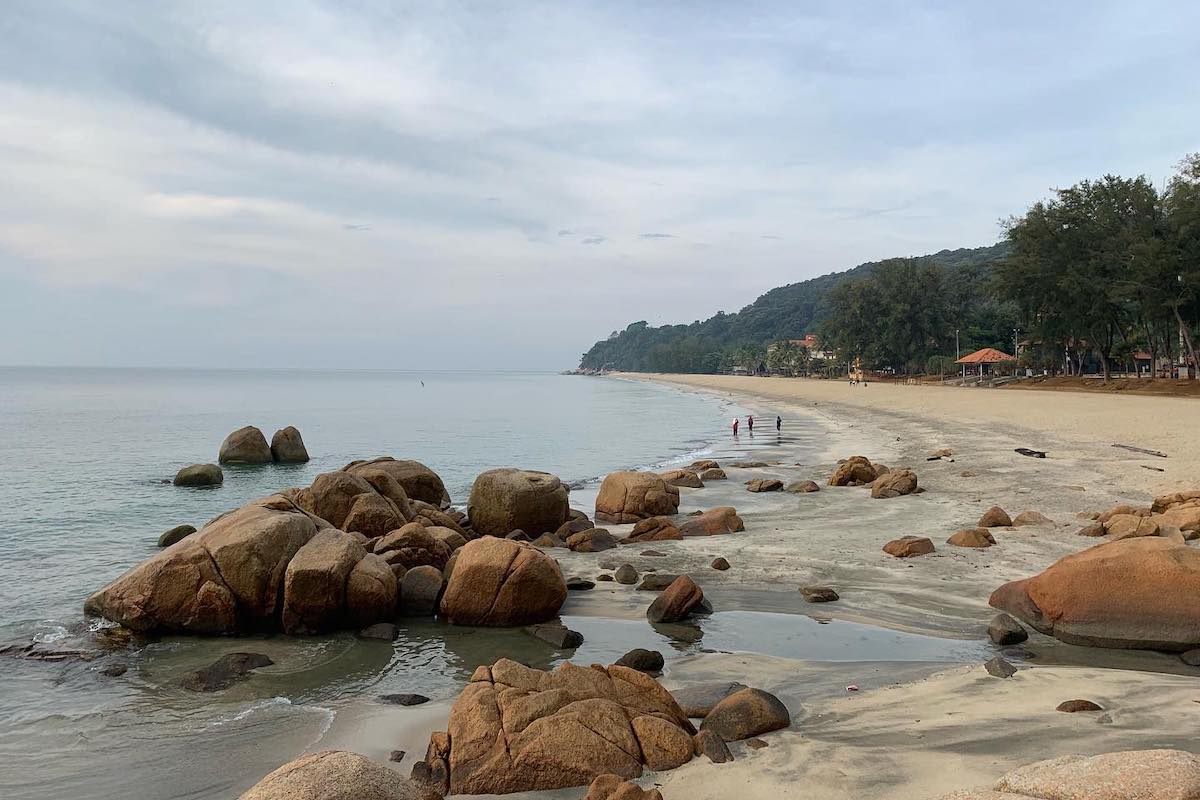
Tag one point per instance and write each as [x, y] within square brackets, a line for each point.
[199, 475]
[1132, 593]
[287, 446]
[1003, 630]
[518, 729]
[629, 496]
[676, 601]
[698, 700]
[972, 537]
[894, 483]
[245, 446]
[686, 478]
[745, 713]
[418, 480]
[713, 474]
[593, 540]
[611, 787]
[653, 529]
[723, 519]
[1030, 518]
[1130, 526]
[764, 485]
[336, 775]
[802, 487]
[994, 517]
[854, 471]
[509, 499]
[908, 546]
[226, 578]
[502, 583]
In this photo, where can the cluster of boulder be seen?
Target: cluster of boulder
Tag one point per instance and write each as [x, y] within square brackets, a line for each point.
[248, 445]
[1174, 516]
[885, 482]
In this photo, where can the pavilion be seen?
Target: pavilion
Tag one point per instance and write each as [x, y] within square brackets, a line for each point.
[985, 359]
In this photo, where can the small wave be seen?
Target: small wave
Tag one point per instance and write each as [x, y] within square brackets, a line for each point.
[54, 633]
[275, 702]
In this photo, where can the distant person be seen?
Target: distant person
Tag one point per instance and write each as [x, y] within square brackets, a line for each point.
[750, 424]
[778, 423]
[735, 426]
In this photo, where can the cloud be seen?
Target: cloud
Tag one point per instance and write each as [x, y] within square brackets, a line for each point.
[594, 240]
[656, 236]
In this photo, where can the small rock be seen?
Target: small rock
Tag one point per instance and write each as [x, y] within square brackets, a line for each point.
[178, 533]
[594, 540]
[764, 485]
[1191, 658]
[908, 546]
[648, 661]
[1072, 706]
[968, 473]
[1030, 518]
[225, 671]
[556, 634]
[578, 584]
[1004, 630]
[613, 787]
[626, 574]
[385, 631]
[113, 670]
[713, 474]
[803, 487]
[403, 699]
[199, 475]
[756, 744]
[653, 553]
[396, 756]
[657, 582]
[720, 564]
[746, 713]
[819, 594]
[972, 537]
[420, 589]
[1000, 668]
[676, 601]
[1093, 529]
[994, 517]
[698, 700]
[605, 577]
[708, 743]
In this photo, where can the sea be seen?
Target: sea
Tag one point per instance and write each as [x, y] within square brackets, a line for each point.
[86, 458]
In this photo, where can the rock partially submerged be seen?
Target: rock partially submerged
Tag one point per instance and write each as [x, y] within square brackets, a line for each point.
[518, 729]
[245, 446]
[802, 487]
[199, 475]
[676, 602]
[764, 485]
[336, 775]
[224, 672]
[502, 583]
[287, 446]
[504, 500]
[176, 534]
[1132, 593]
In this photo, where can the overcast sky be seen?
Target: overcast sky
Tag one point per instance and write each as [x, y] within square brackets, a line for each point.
[494, 185]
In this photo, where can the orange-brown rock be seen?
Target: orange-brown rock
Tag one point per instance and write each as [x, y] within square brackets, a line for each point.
[502, 583]
[314, 591]
[1030, 518]
[1134, 593]
[678, 600]
[994, 517]
[245, 446]
[613, 787]
[908, 546]
[518, 729]
[894, 483]
[332, 494]
[722, 519]
[418, 480]
[414, 545]
[687, 478]
[1129, 526]
[336, 775]
[653, 529]
[1168, 501]
[854, 471]
[764, 485]
[1105, 516]
[504, 500]
[630, 496]
[972, 537]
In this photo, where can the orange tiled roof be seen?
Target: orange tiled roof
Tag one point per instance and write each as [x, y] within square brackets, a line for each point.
[988, 355]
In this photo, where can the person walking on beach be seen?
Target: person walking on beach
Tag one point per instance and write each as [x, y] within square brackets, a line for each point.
[778, 423]
[750, 423]
[735, 426]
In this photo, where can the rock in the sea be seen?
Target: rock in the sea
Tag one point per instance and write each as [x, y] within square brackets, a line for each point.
[178, 533]
[686, 478]
[556, 635]
[332, 497]
[719, 564]
[723, 519]
[803, 487]
[1030, 518]
[224, 672]
[502, 583]
[697, 701]
[421, 590]
[518, 729]
[418, 481]
[245, 446]
[656, 582]
[404, 699]
[713, 474]
[226, 578]
[594, 540]
[504, 500]
[287, 446]
[819, 594]
[611, 787]
[994, 517]
[764, 485]
[854, 471]
[336, 775]
[908, 546]
[709, 744]
[1075, 706]
[578, 584]
[1191, 657]
[626, 574]
[999, 667]
[676, 601]
[1004, 630]
[319, 594]
[972, 537]
[649, 661]
[1135, 593]
[653, 529]
[199, 475]
[383, 631]
[631, 496]
[745, 713]
[894, 483]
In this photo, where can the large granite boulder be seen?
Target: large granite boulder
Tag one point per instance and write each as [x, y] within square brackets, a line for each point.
[199, 475]
[1133, 593]
[894, 483]
[332, 494]
[502, 583]
[245, 446]
[414, 545]
[722, 519]
[653, 529]
[1130, 775]
[314, 593]
[287, 447]
[518, 729]
[418, 480]
[630, 496]
[854, 471]
[676, 602]
[226, 578]
[506, 500]
[745, 713]
[686, 478]
[336, 775]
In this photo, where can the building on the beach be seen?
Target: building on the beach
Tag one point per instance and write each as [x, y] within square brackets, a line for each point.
[986, 361]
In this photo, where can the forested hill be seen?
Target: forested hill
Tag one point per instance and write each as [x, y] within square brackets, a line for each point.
[787, 312]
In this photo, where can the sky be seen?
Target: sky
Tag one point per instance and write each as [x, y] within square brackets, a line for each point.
[494, 185]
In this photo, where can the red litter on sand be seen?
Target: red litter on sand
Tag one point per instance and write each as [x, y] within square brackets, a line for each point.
[852, 687]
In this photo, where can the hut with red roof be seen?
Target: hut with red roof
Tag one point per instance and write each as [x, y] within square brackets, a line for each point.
[985, 360]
